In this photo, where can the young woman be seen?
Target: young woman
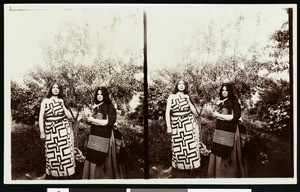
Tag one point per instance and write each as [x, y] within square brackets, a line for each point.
[226, 159]
[102, 148]
[55, 129]
[181, 125]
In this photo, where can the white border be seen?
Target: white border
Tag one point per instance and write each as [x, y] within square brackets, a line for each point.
[247, 181]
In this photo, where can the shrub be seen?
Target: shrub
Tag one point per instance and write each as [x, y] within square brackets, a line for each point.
[28, 99]
[206, 130]
[83, 131]
[280, 118]
[134, 142]
[27, 151]
[274, 107]
[159, 143]
[266, 151]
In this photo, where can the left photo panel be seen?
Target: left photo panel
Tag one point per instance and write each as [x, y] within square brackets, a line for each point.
[74, 93]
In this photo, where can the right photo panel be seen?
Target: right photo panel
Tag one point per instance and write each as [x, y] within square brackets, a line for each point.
[220, 92]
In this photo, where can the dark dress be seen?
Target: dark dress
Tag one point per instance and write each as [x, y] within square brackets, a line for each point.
[59, 141]
[103, 147]
[226, 159]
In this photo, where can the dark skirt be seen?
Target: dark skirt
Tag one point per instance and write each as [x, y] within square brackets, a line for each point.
[111, 168]
[234, 166]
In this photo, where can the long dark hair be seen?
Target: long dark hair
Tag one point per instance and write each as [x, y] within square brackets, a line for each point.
[185, 91]
[230, 91]
[50, 94]
[186, 88]
[105, 94]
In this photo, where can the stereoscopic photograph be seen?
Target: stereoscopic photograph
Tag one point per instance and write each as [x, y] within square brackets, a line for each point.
[205, 92]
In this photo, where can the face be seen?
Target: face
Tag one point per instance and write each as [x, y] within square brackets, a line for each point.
[181, 86]
[99, 96]
[224, 92]
[55, 89]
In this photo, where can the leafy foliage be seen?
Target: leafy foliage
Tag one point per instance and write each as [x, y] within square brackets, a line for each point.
[159, 143]
[275, 95]
[71, 62]
[208, 60]
[274, 105]
[157, 101]
[134, 141]
[27, 151]
[279, 48]
[25, 103]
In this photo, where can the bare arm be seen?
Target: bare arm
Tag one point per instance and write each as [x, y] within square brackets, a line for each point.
[167, 115]
[222, 116]
[95, 121]
[41, 120]
[67, 112]
[193, 108]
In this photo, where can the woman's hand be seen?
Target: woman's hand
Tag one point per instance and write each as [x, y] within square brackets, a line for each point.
[215, 114]
[90, 119]
[101, 122]
[42, 136]
[222, 117]
[203, 149]
[218, 102]
[86, 112]
[169, 130]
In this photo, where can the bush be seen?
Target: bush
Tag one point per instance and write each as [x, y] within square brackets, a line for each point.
[159, 143]
[274, 107]
[280, 118]
[207, 131]
[27, 151]
[83, 131]
[266, 151]
[134, 142]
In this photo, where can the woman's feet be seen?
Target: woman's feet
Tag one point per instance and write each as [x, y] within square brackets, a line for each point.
[41, 177]
[168, 171]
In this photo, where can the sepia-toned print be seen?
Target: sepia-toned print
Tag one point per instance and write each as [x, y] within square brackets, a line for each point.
[75, 77]
[223, 74]
[186, 94]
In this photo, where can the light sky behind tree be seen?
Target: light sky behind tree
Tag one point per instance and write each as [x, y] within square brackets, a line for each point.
[168, 28]
[27, 26]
